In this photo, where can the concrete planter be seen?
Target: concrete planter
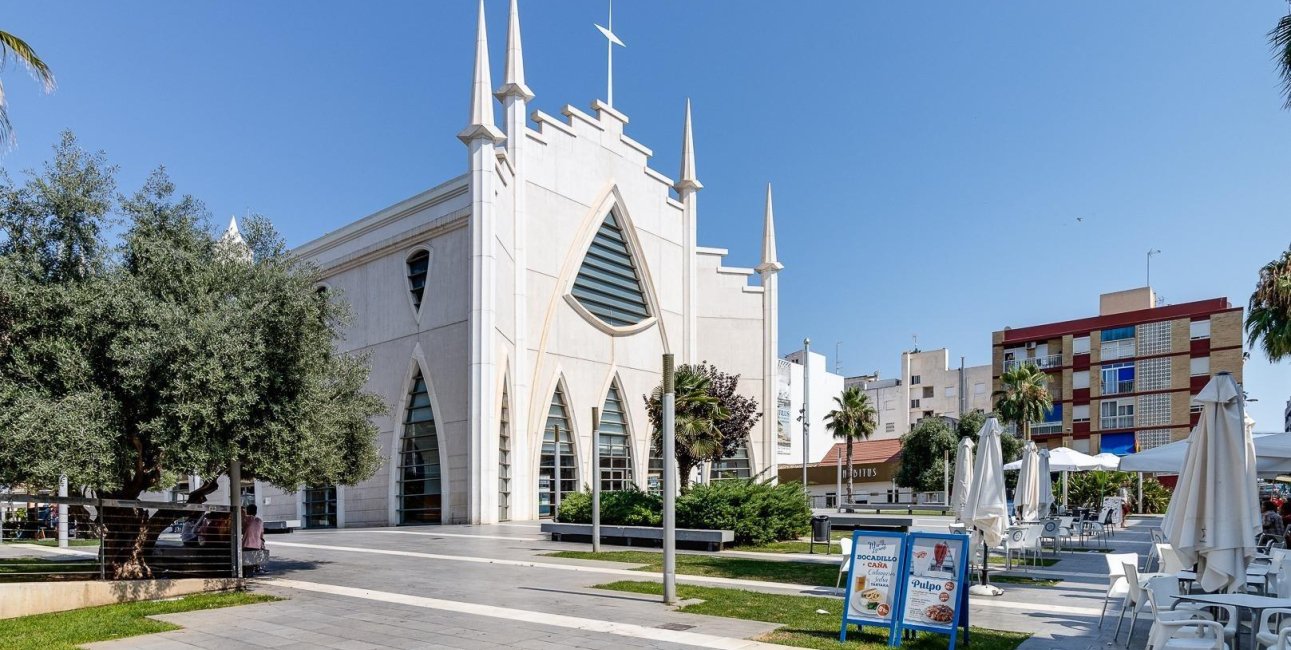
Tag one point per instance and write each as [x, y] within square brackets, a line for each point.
[27, 598]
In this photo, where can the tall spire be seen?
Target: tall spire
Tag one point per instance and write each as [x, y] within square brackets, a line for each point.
[513, 83]
[481, 124]
[687, 179]
[769, 261]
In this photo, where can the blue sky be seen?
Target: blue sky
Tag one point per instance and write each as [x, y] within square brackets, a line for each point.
[930, 160]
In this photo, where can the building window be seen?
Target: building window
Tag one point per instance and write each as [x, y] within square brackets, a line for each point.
[654, 473]
[418, 266]
[890, 427]
[179, 493]
[607, 284]
[1118, 378]
[557, 445]
[614, 446]
[1080, 345]
[1195, 408]
[928, 392]
[735, 466]
[1117, 334]
[887, 405]
[1199, 366]
[914, 380]
[419, 488]
[1116, 414]
[914, 403]
[319, 503]
[979, 388]
[504, 459]
[1080, 413]
[1199, 329]
[1080, 379]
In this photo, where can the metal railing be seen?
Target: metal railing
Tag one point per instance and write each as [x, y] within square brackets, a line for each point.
[1044, 362]
[1117, 349]
[1116, 422]
[1118, 387]
[45, 537]
[1043, 428]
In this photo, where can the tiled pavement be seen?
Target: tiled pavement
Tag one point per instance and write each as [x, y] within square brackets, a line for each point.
[488, 586]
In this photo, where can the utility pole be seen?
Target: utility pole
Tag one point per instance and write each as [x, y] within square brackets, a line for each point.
[669, 413]
[596, 480]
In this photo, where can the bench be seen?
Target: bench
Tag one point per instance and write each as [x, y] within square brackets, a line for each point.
[711, 540]
[848, 521]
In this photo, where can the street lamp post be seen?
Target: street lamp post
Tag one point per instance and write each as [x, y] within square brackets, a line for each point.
[806, 413]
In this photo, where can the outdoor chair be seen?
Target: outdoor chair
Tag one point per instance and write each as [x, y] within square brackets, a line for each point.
[1017, 540]
[1117, 587]
[845, 566]
[1272, 624]
[1095, 529]
[1133, 602]
[1284, 639]
[1187, 626]
[1170, 561]
[1035, 541]
[1153, 559]
[1052, 532]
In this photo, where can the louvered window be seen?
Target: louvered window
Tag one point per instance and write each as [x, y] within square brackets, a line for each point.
[419, 489]
[418, 267]
[552, 453]
[616, 453]
[735, 466]
[608, 284]
[504, 460]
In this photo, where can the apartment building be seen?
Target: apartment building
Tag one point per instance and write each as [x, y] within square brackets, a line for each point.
[1124, 380]
[929, 386]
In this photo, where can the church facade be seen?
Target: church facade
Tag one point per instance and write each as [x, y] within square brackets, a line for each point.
[499, 307]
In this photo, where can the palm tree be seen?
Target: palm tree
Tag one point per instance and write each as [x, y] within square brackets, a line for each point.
[12, 46]
[1268, 321]
[854, 419]
[698, 413]
[1025, 397]
[1280, 40]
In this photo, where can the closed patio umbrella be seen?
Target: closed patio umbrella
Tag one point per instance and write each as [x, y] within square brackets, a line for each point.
[1026, 497]
[1213, 519]
[963, 478]
[1046, 485]
[986, 509]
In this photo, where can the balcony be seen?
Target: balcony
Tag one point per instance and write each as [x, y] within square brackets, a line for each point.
[1116, 422]
[1118, 387]
[1044, 363]
[1117, 349]
[1045, 428]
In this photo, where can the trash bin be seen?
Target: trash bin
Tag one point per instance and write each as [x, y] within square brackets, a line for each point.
[820, 529]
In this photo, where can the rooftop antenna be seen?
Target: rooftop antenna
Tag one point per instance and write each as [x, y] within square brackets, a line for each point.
[610, 41]
[838, 360]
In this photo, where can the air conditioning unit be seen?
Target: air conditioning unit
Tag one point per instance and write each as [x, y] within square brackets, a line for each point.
[1031, 345]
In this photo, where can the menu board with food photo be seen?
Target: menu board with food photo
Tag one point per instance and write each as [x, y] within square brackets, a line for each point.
[933, 581]
[872, 588]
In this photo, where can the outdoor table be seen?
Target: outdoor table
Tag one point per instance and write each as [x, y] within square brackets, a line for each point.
[1258, 574]
[1257, 604]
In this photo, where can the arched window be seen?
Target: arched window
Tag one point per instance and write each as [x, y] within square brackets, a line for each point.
[419, 489]
[607, 284]
[556, 453]
[418, 266]
[504, 459]
[735, 466]
[614, 447]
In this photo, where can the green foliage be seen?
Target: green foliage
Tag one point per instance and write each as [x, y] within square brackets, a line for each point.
[854, 419]
[712, 417]
[922, 463]
[1156, 497]
[759, 513]
[1088, 489]
[13, 47]
[1010, 445]
[1268, 320]
[1025, 397]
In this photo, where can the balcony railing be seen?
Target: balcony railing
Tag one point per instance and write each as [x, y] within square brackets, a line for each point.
[1044, 363]
[1118, 387]
[1117, 349]
[1117, 422]
[1043, 428]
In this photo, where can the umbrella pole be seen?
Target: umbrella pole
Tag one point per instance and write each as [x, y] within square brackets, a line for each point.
[1064, 490]
[986, 560]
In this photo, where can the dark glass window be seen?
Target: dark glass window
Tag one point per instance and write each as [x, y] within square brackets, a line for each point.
[614, 446]
[557, 427]
[504, 460]
[735, 466]
[419, 489]
[418, 267]
[320, 506]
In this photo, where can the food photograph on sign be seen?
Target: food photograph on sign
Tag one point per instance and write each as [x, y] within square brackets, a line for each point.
[874, 563]
[931, 587]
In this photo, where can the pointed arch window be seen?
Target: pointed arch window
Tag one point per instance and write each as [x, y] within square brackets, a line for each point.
[557, 457]
[420, 494]
[735, 466]
[504, 459]
[654, 472]
[608, 284]
[418, 268]
[614, 445]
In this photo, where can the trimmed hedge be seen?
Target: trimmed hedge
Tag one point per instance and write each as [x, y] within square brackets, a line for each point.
[759, 513]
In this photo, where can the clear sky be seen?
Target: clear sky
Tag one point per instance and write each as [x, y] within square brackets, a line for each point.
[930, 160]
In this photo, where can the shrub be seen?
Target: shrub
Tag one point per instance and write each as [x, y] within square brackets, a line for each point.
[759, 513]
[575, 508]
[630, 507]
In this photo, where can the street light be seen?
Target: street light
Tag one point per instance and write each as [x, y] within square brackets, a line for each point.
[1154, 251]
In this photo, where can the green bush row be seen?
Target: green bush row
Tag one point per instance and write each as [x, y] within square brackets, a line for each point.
[759, 513]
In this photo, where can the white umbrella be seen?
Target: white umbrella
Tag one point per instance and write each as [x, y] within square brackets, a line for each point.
[1272, 456]
[1063, 459]
[987, 510]
[1213, 519]
[1107, 460]
[963, 477]
[1046, 484]
[1026, 497]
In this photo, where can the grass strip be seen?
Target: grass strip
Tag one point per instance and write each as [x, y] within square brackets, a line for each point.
[802, 573]
[53, 542]
[71, 629]
[802, 625]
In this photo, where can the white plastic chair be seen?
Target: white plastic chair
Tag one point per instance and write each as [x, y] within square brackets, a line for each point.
[1270, 629]
[1284, 639]
[845, 566]
[1015, 541]
[1162, 592]
[1052, 531]
[1133, 602]
[1117, 587]
[1170, 561]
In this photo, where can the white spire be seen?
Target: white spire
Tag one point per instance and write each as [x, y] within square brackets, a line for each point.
[610, 41]
[769, 261]
[687, 179]
[232, 243]
[481, 124]
[513, 83]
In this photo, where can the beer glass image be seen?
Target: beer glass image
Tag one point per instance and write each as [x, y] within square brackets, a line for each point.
[939, 555]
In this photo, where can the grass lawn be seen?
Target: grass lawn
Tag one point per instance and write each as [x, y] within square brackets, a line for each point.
[68, 630]
[793, 546]
[803, 627]
[802, 573]
[54, 542]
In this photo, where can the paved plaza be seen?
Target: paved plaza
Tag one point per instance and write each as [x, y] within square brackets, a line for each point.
[490, 586]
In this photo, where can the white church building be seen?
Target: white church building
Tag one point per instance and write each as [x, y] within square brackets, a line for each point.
[499, 307]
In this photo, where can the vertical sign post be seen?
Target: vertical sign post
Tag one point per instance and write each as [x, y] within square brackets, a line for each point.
[596, 480]
[669, 413]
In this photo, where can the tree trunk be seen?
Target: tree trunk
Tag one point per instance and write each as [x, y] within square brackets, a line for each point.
[684, 469]
[129, 535]
[849, 470]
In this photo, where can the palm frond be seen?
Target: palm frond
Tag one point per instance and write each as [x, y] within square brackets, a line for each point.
[1280, 43]
[11, 45]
